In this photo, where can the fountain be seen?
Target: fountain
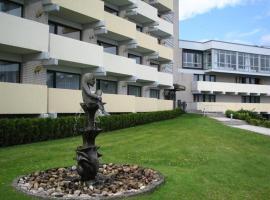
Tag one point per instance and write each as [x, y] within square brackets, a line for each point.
[89, 179]
[87, 155]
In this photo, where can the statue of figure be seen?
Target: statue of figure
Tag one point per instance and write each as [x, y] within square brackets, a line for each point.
[87, 155]
[89, 98]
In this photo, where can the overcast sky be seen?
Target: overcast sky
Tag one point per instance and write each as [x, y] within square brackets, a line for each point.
[243, 21]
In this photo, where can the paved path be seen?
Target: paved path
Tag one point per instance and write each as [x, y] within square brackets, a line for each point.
[243, 125]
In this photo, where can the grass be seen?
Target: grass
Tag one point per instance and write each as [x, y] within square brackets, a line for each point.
[200, 158]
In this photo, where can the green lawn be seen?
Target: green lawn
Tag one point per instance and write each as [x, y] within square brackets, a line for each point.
[200, 158]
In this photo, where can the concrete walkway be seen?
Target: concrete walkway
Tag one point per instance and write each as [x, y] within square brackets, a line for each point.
[243, 125]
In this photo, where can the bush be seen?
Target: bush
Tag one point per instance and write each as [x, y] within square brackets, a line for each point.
[27, 130]
[250, 117]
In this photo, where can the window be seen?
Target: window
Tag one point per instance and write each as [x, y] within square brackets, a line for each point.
[9, 72]
[156, 65]
[108, 87]
[225, 59]
[109, 48]
[248, 62]
[111, 10]
[135, 90]
[63, 80]
[154, 93]
[265, 63]
[139, 28]
[207, 59]
[202, 77]
[138, 59]
[247, 80]
[11, 8]
[64, 30]
[251, 99]
[209, 98]
[197, 98]
[192, 59]
[204, 98]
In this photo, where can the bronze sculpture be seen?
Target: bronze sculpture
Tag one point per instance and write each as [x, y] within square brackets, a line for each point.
[87, 155]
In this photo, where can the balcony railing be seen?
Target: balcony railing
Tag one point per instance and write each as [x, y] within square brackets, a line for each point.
[240, 69]
[38, 99]
[144, 13]
[22, 36]
[75, 53]
[165, 79]
[80, 11]
[22, 98]
[236, 88]
[146, 43]
[119, 65]
[119, 29]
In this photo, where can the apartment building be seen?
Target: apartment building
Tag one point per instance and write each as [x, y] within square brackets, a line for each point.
[47, 45]
[219, 76]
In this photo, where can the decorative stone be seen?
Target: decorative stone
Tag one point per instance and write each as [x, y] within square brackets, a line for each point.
[112, 181]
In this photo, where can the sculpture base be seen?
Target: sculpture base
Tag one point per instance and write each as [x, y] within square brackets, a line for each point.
[113, 181]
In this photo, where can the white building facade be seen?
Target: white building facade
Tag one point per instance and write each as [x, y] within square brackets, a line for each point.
[219, 76]
[47, 45]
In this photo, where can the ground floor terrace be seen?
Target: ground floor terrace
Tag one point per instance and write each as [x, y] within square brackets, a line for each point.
[39, 99]
[199, 157]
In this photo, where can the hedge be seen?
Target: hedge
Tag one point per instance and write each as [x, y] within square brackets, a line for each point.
[28, 130]
[250, 117]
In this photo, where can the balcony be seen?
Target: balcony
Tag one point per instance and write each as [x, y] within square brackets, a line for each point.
[146, 74]
[143, 104]
[68, 101]
[146, 43]
[23, 99]
[164, 29]
[244, 71]
[165, 79]
[121, 3]
[64, 101]
[144, 13]
[119, 65]
[75, 53]
[165, 53]
[230, 88]
[222, 107]
[119, 29]
[22, 36]
[79, 11]
[163, 5]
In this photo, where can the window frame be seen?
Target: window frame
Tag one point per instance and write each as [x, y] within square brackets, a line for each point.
[54, 78]
[185, 60]
[158, 92]
[197, 98]
[156, 65]
[56, 24]
[110, 10]
[99, 42]
[128, 90]
[134, 55]
[250, 99]
[20, 70]
[98, 82]
[21, 5]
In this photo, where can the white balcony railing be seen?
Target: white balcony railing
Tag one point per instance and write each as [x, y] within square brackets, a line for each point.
[119, 65]
[74, 52]
[165, 79]
[204, 86]
[23, 36]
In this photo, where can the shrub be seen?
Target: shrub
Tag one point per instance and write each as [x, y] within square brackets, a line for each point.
[27, 130]
[250, 117]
